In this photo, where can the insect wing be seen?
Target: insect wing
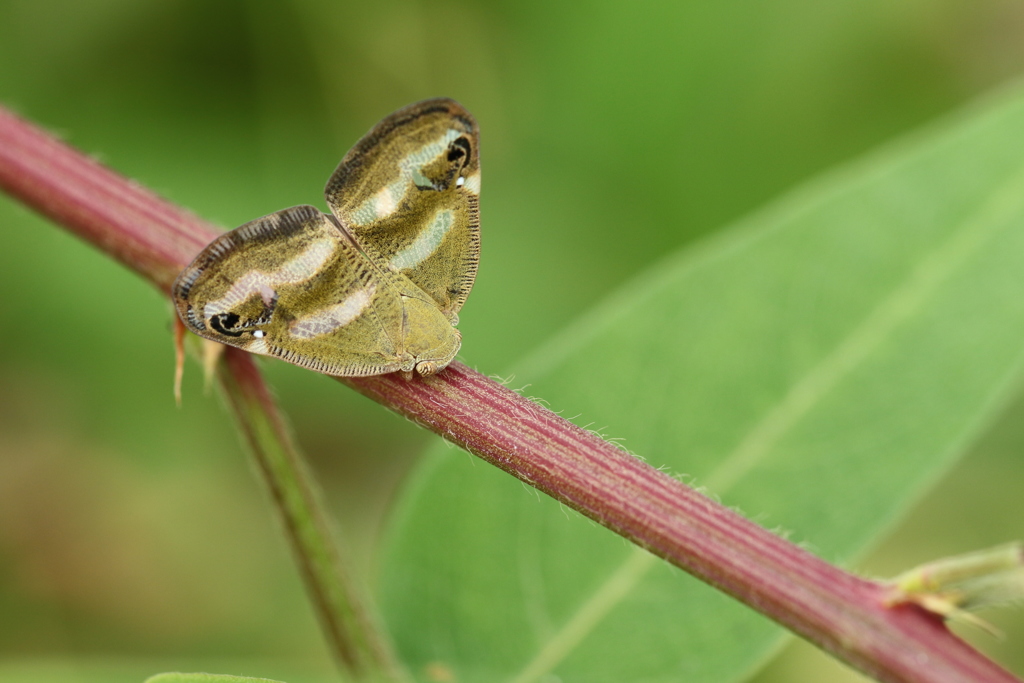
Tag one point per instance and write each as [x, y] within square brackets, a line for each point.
[292, 285]
[408, 192]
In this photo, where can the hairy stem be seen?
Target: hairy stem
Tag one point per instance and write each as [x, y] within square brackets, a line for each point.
[840, 612]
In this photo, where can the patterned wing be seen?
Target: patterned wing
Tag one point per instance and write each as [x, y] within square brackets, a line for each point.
[409, 191]
[292, 285]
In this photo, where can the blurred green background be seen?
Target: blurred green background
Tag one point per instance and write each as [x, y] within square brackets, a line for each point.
[133, 536]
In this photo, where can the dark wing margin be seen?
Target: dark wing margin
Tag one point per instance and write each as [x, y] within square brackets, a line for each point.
[219, 254]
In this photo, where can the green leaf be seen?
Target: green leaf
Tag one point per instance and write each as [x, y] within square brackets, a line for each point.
[817, 366]
[205, 678]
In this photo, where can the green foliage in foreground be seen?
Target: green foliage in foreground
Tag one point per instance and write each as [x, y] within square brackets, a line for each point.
[816, 366]
[205, 678]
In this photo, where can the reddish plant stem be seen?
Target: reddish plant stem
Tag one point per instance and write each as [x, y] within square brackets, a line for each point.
[838, 611]
[154, 238]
